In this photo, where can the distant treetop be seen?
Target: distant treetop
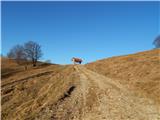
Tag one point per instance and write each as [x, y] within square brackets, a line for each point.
[156, 42]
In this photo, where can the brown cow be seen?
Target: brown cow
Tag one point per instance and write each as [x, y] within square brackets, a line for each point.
[77, 60]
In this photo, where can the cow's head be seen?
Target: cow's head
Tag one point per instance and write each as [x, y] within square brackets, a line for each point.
[72, 59]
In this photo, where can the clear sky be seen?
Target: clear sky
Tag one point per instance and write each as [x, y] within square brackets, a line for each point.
[89, 30]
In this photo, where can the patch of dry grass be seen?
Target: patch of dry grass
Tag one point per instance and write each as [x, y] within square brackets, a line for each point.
[139, 72]
[25, 94]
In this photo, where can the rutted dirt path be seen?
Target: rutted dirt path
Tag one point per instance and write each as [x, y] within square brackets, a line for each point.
[73, 93]
[103, 99]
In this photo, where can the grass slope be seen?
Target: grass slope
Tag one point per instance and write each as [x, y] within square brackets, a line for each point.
[139, 72]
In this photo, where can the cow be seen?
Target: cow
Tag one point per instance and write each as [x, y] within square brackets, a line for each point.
[77, 60]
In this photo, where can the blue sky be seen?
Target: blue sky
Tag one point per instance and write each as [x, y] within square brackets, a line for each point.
[89, 30]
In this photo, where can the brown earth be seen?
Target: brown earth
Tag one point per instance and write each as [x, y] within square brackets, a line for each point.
[74, 92]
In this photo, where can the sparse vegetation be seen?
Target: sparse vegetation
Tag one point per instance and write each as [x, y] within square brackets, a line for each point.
[48, 61]
[30, 51]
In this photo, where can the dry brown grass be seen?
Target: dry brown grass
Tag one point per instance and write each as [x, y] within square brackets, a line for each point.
[26, 93]
[139, 72]
[66, 92]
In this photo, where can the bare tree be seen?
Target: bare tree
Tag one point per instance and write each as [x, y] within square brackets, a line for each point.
[156, 42]
[33, 51]
[17, 53]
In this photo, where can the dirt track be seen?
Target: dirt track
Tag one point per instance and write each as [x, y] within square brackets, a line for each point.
[72, 93]
[105, 99]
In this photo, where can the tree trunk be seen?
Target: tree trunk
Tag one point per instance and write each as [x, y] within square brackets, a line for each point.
[34, 63]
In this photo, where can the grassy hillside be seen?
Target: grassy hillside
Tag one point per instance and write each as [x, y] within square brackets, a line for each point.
[124, 87]
[25, 93]
[139, 72]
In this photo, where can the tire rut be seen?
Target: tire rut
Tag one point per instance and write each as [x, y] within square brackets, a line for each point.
[114, 101]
